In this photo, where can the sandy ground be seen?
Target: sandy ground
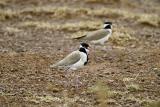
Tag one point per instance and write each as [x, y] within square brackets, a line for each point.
[35, 34]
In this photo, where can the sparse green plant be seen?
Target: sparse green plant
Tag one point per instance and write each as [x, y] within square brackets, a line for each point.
[102, 93]
[154, 104]
[130, 85]
[133, 87]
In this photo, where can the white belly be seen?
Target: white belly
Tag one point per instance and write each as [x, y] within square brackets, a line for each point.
[80, 63]
[77, 65]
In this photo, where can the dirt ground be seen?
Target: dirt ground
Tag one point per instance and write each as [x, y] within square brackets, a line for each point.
[35, 34]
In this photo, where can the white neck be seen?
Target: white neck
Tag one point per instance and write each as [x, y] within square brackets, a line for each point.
[110, 30]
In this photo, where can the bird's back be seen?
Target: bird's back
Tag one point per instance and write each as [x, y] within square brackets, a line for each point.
[70, 59]
[96, 35]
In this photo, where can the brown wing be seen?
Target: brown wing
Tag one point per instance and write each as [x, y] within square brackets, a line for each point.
[69, 59]
[96, 35]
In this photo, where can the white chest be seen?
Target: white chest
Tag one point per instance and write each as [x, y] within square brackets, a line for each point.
[81, 62]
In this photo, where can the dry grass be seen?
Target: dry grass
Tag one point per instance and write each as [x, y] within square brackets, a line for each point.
[8, 14]
[122, 35]
[103, 1]
[117, 2]
[130, 85]
[149, 19]
[133, 87]
[64, 101]
[12, 30]
[144, 102]
[53, 88]
[56, 12]
[3, 2]
[72, 101]
[87, 25]
[121, 38]
[46, 9]
[107, 12]
[46, 98]
[107, 1]
[132, 98]
[67, 12]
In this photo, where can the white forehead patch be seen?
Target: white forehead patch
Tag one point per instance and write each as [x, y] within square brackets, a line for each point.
[80, 46]
[105, 25]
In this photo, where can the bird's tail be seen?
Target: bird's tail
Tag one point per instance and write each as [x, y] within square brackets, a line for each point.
[78, 37]
[60, 63]
[53, 66]
[60, 67]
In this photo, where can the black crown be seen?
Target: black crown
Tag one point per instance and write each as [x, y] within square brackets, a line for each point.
[85, 45]
[108, 23]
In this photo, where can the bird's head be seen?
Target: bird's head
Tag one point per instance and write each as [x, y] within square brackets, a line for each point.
[84, 46]
[107, 25]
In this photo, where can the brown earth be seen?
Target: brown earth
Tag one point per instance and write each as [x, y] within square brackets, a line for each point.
[35, 34]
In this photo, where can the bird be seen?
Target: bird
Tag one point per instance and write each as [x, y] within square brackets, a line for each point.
[75, 60]
[99, 36]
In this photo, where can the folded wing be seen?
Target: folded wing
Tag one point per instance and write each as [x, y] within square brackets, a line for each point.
[69, 59]
[96, 35]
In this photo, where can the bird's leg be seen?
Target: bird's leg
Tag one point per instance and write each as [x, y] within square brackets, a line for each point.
[94, 50]
[103, 47]
[67, 83]
[77, 82]
[67, 68]
[102, 44]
